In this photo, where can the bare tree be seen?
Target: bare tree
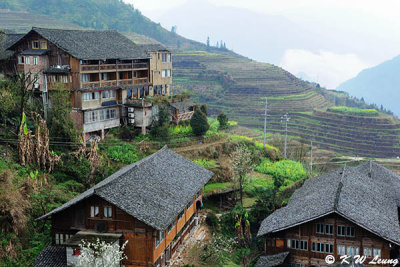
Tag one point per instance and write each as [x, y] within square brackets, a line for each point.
[242, 164]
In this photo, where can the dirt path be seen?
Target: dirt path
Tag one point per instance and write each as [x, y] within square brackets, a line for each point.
[199, 146]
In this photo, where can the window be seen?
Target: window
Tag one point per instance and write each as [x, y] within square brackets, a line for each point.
[321, 247]
[43, 44]
[61, 238]
[104, 76]
[94, 211]
[85, 78]
[134, 74]
[297, 244]
[159, 238]
[111, 93]
[86, 96]
[35, 45]
[171, 226]
[181, 215]
[164, 73]
[35, 60]
[320, 228]
[104, 94]
[164, 57]
[107, 212]
[367, 252]
[169, 73]
[341, 250]
[352, 251]
[20, 60]
[95, 95]
[168, 57]
[329, 229]
[377, 252]
[345, 230]
[324, 229]
[27, 60]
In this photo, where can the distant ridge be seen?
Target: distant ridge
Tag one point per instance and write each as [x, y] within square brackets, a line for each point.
[379, 85]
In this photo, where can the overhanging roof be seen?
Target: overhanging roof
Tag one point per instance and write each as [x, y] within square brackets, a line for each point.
[366, 195]
[153, 190]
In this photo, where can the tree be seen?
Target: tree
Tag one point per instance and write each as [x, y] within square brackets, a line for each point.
[100, 254]
[223, 120]
[204, 109]
[160, 125]
[61, 124]
[199, 122]
[208, 42]
[242, 164]
[174, 29]
[263, 206]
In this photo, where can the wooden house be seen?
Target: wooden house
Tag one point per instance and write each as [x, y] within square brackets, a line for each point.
[102, 69]
[152, 203]
[349, 211]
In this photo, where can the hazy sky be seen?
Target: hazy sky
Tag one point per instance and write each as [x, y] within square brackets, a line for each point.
[341, 37]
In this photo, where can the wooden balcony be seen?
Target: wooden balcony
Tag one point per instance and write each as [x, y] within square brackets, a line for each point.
[113, 67]
[115, 82]
[176, 118]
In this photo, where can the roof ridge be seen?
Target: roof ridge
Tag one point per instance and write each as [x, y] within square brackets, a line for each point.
[81, 30]
[339, 190]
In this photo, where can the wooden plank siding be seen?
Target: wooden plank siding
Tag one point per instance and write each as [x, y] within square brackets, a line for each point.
[278, 242]
[141, 249]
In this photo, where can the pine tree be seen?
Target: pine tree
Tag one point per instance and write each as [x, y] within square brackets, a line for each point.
[199, 122]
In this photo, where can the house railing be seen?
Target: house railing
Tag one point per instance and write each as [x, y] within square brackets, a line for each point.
[108, 67]
[182, 117]
[115, 82]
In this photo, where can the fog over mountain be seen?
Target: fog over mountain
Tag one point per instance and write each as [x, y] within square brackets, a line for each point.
[301, 37]
[379, 85]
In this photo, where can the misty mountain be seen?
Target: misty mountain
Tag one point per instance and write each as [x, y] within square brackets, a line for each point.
[379, 85]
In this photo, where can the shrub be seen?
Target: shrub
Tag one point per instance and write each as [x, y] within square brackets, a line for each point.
[124, 153]
[199, 123]
[204, 109]
[160, 126]
[212, 220]
[205, 163]
[223, 121]
[286, 169]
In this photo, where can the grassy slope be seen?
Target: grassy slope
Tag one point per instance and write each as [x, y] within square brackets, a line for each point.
[237, 85]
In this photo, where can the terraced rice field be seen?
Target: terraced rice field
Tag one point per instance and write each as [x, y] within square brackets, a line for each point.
[238, 86]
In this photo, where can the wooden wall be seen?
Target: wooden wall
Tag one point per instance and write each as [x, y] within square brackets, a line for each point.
[278, 242]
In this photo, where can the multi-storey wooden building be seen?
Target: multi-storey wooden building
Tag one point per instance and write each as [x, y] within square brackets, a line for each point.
[350, 211]
[105, 72]
[151, 203]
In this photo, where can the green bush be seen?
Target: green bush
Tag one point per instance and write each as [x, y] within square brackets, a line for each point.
[124, 153]
[287, 169]
[240, 254]
[223, 121]
[205, 163]
[181, 130]
[199, 123]
[212, 220]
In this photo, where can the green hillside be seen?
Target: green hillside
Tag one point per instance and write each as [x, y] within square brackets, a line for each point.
[232, 83]
[22, 22]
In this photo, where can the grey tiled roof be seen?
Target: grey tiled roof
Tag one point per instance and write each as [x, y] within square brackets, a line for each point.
[272, 260]
[154, 190]
[153, 47]
[93, 45]
[367, 195]
[51, 256]
[183, 105]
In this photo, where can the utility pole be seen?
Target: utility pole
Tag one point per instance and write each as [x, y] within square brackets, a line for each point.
[311, 159]
[286, 118]
[265, 120]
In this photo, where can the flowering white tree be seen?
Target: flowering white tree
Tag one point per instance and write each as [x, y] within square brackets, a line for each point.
[100, 254]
